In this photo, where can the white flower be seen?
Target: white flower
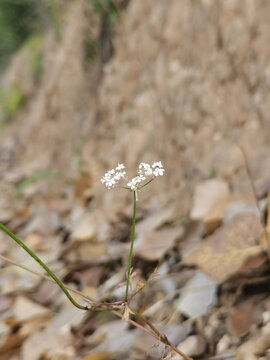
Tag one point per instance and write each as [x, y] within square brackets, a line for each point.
[133, 183]
[158, 169]
[158, 172]
[145, 169]
[120, 167]
[157, 164]
[113, 176]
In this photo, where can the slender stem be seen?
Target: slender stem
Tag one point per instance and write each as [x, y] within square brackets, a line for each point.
[132, 242]
[46, 277]
[161, 337]
[148, 182]
[45, 267]
[155, 334]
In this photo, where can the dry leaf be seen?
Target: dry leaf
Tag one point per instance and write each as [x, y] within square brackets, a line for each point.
[154, 221]
[46, 293]
[89, 251]
[24, 309]
[244, 315]
[99, 356]
[206, 195]
[10, 339]
[116, 338]
[153, 347]
[126, 314]
[229, 249]
[55, 335]
[85, 229]
[45, 221]
[83, 186]
[197, 296]
[194, 345]
[154, 245]
[256, 345]
[214, 217]
[265, 239]
[34, 241]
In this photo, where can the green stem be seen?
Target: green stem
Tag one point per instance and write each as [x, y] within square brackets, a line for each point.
[132, 242]
[45, 267]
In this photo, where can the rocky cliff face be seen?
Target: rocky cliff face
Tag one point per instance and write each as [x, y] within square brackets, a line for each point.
[187, 82]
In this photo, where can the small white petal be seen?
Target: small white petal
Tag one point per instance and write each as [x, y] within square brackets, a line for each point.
[120, 167]
[157, 164]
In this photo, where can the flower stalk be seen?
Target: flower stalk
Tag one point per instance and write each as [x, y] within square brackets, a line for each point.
[111, 179]
[132, 242]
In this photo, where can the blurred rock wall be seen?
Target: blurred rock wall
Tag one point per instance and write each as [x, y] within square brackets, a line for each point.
[188, 81]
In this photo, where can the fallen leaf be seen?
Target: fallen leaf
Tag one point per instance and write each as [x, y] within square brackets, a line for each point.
[34, 241]
[197, 296]
[154, 221]
[215, 216]
[85, 229]
[265, 239]
[99, 356]
[115, 338]
[256, 345]
[194, 345]
[5, 303]
[229, 250]
[5, 331]
[46, 293]
[10, 339]
[24, 309]
[126, 314]
[83, 186]
[89, 277]
[206, 195]
[55, 335]
[245, 314]
[176, 334]
[153, 246]
[89, 251]
[45, 221]
[239, 208]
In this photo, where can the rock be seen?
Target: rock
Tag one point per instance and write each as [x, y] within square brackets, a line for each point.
[207, 194]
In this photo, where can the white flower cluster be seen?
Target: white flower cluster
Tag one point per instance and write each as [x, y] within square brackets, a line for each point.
[111, 178]
[133, 183]
[156, 170]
